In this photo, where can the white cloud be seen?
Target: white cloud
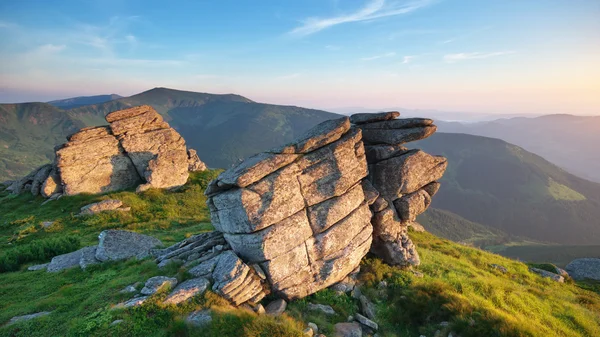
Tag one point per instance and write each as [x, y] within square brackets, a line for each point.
[374, 9]
[408, 59]
[452, 58]
[289, 76]
[50, 48]
[376, 57]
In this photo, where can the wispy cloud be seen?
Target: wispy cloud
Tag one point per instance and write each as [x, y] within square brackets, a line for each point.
[50, 48]
[376, 57]
[452, 58]
[289, 76]
[407, 59]
[374, 9]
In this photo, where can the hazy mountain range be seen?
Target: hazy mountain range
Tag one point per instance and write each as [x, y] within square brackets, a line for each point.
[493, 191]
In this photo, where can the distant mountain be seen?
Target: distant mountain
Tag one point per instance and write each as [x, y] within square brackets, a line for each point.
[28, 134]
[568, 141]
[70, 103]
[500, 185]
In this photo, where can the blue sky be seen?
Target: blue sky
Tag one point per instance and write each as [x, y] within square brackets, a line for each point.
[492, 56]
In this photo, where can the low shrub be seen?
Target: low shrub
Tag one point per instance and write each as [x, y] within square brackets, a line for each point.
[37, 251]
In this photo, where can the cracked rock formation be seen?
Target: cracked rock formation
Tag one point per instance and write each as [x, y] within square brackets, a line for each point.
[138, 148]
[307, 212]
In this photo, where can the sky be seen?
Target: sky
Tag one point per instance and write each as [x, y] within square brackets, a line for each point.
[492, 56]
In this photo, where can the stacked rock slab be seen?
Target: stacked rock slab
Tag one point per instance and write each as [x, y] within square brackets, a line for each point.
[138, 147]
[406, 180]
[299, 211]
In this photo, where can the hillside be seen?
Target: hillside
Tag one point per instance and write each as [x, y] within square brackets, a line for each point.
[70, 103]
[498, 184]
[28, 134]
[458, 289]
[565, 140]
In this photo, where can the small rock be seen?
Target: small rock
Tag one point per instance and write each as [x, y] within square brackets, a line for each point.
[116, 322]
[500, 268]
[366, 322]
[17, 319]
[326, 309]
[361, 118]
[102, 206]
[308, 332]
[382, 284]
[47, 224]
[88, 257]
[355, 293]
[64, 261]
[134, 302]
[155, 283]
[348, 330]
[367, 307]
[444, 324]
[547, 274]
[259, 271]
[119, 245]
[276, 307]
[313, 326]
[259, 309]
[417, 273]
[187, 290]
[38, 267]
[199, 318]
[584, 268]
[127, 290]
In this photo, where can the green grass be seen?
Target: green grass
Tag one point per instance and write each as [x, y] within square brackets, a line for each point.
[459, 285]
[562, 192]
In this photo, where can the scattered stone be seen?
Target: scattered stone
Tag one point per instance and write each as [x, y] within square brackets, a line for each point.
[194, 162]
[187, 290]
[417, 227]
[155, 283]
[585, 268]
[102, 206]
[119, 245]
[64, 261]
[366, 322]
[129, 289]
[500, 268]
[417, 273]
[116, 322]
[47, 224]
[561, 272]
[547, 274]
[38, 267]
[276, 307]
[134, 302]
[308, 332]
[88, 257]
[326, 309]
[200, 318]
[348, 330]
[18, 319]
[367, 307]
[236, 281]
[314, 327]
[259, 309]
[444, 323]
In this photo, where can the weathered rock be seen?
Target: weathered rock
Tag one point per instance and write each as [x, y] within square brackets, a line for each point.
[317, 137]
[411, 205]
[40, 177]
[187, 290]
[236, 281]
[116, 322]
[395, 124]
[362, 118]
[276, 307]
[407, 173]
[308, 332]
[314, 327]
[134, 302]
[391, 241]
[102, 206]
[18, 319]
[38, 267]
[129, 289]
[205, 268]
[119, 245]
[92, 161]
[371, 193]
[379, 205]
[326, 309]
[194, 162]
[366, 322]
[64, 261]
[348, 330]
[200, 318]
[158, 152]
[25, 184]
[547, 274]
[585, 268]
[367, 307]
[88, 257]
[417, 227]
[156, 283]
[396, 136]
[254, 169]
[561, 272]
[500, 268]
[432, 188]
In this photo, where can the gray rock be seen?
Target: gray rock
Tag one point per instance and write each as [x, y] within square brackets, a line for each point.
[18, 319]
[276, 307]
[361, 118]
[325, 133]
[47, 224]
[308, 332]
[405, 123]
[119, 245]
[236, 281]
[88, 257]
[129, 289]
[547, 274]
[314, 327]
[39, 179]
[417, 227]
[38, 267]
[134, 302]
[187, 290]
[254, 169]
[367, 307]
[64, 261]
[396, 136]
[366, 322]
[326, 309]
[371, 194]
[585, 268]
[412, 204]
[52, 184]
[194, 162]
[102, 206]
[116, 322]
[259, 309]
[561, 272]
[155, 283]
[200, 318]
[348, 330]
[205, 268]
[500, 268]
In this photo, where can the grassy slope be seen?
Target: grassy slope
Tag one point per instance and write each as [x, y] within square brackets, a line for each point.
[498, 184]
[459, 285]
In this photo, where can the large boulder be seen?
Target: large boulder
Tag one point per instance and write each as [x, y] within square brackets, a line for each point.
[585, 268]
[298, 211]
[157, 151]
[92, 161]
[119, 245]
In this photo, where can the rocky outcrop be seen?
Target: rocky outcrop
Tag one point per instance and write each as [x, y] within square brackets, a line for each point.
[119, 245]
[298, 211]
[547, 274]
[138, 148]
[406, 181]
[585, 268]
[103, 206]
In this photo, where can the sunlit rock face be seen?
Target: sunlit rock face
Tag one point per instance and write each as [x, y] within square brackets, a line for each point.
[309, 211]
